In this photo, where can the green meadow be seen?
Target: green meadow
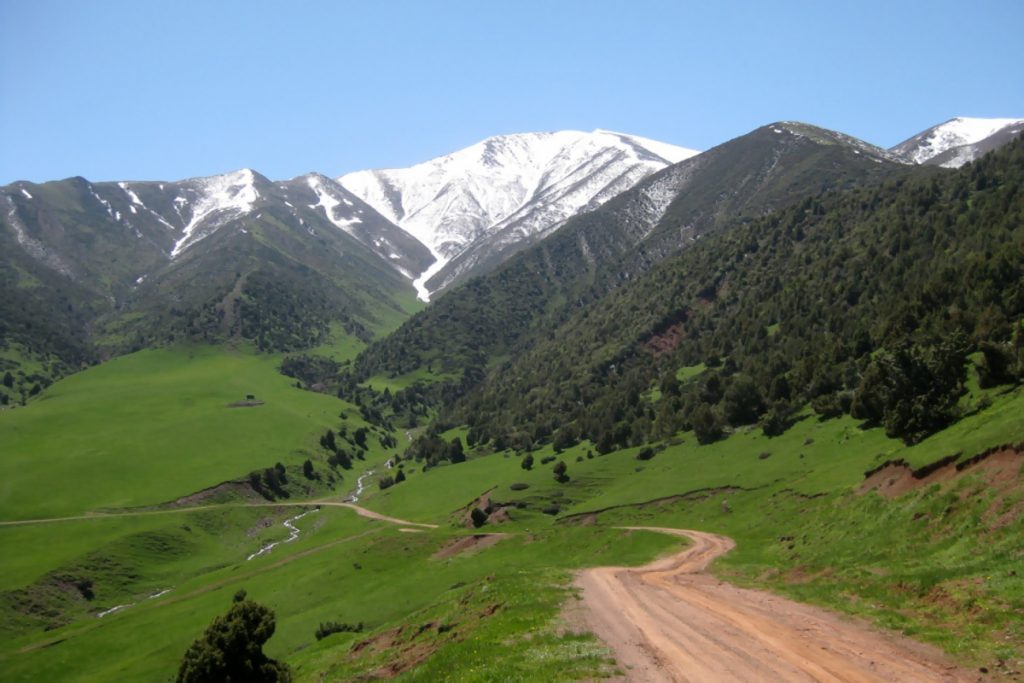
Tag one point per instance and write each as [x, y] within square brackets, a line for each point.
[154, 426]
[107, 444]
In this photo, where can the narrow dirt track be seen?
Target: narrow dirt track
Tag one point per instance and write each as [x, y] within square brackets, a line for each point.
[670, 621]
[358, 509]
[370, 514]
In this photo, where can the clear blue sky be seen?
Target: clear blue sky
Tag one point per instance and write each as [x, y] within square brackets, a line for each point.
[162, 89]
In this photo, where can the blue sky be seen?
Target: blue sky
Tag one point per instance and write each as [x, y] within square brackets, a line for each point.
[170, 89]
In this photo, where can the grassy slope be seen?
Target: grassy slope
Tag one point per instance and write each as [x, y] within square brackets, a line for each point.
[933, 563]
[384, 579]
[857, 553]
[153, 426]
[150, 636]
[342, 567]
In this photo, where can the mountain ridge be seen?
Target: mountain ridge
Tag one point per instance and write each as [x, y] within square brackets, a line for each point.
[107, 253]
[959, 140]
[594, 253]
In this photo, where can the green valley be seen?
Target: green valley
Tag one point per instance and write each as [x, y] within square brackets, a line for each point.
[825, 364]
[490, 606]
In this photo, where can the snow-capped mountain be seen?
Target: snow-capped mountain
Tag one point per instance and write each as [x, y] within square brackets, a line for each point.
[174, 217]
[957, 141]
[478, 205]
[117, 239]
[284, 264]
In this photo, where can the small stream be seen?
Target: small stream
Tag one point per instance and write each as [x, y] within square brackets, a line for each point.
[293, 533]
[359, 486]
[118, 608]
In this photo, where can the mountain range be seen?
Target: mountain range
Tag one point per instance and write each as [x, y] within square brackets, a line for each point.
[284, 263]
[797, 340]
[596, 252]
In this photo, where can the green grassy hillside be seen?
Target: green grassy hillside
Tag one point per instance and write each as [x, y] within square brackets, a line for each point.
[154, 426]
[490, 607]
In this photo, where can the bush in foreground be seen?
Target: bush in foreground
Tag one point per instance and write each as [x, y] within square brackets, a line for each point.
[231, 648]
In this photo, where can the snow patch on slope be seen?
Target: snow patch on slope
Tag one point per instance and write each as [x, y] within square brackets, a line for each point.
[673, 154]
[220, 199]
[449, 201]
[329, 202]
[32, 246]
[131, 195]
[101, 200]
[420, 283]
[137, 204]
[956, 132]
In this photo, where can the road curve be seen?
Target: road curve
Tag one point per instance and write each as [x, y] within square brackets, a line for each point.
[370, 514]
[670, 621]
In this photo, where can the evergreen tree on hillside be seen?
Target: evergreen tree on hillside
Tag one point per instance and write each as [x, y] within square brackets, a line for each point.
[706, 425]
[742, 403]
[231, 648]
[455, 451]
[913, 391]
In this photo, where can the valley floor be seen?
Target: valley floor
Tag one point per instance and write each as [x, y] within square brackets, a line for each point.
[111, 506]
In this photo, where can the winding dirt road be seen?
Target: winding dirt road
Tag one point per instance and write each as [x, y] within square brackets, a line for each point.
[670, 621]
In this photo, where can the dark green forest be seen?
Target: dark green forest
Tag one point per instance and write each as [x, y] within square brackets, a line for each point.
[865, 301]
[496, 315]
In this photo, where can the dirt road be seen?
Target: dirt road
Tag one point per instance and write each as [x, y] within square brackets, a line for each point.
[359, 510]
[370, 514]
[670, 621]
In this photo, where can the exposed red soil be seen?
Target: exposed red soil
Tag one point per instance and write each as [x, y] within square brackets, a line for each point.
[409, 645]
[999, 467]
[402, 648]
[496, 513]
[482, 502]
[242, 489]
[466, 544]
[667, 340]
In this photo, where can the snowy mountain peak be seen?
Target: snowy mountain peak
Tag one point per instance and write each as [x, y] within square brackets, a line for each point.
[954, 142]
[670, 153]
[522, 185]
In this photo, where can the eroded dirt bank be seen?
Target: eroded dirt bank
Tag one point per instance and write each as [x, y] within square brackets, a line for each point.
[670, 621]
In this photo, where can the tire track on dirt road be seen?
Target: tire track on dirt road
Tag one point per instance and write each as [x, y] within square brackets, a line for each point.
[671, 621]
